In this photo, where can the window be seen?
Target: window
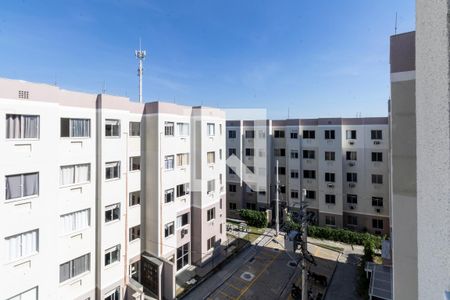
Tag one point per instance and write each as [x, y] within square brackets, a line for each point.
[169, 162]
[308, 154]
[330, 199]
[310, 195]
[377, 201]
[330, 155]
[220, 154]
[74, 267]
[169, 129]
[134, 271]
[350, 134]
[282, 189]
[182, 220]
[352, 177]
[169, 195]
[31, 294]
[352, 220]
[249, 152]
[135, 163]
[112, 212]
[350, 155]
[377, 156]
[231, 151]
[182, 256]
[211, 186]
[294, 173]
[329, 134]
[309, 134]
[182, 159]
[182, 189]
[211, 156]
[377, 179]
[251, 206]
[210, 243]
[75, 127]
[135, 198]
[135, 128]
[169, 229]
[310, 174]
[249, 134]
[352, 199]
[112, 170]
[135, 233]
[232, 188]
[112, 128]
[231, 134]
[281, 170]
[211, 214]
[278, 134]
[75, 174]
[294, 194]
[231, 171]
[294, 134]
[220, 129]
[23, 244]
[279, 152]
[329, 177]
[22, 185]
[232, 205]
[377, 223]
[294, 154]
[113, 295]
[220, 179]
[211, 129]
[75, 221]
[112, 255]
[376, 134]
[183, 129]
[330, 220]
[22, 126]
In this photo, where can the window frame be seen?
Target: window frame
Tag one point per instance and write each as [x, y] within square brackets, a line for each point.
[110, 253]
[169, 229]
[108, 165]
[21, 130]
[22, 187]
[132, 129]
[118, 126]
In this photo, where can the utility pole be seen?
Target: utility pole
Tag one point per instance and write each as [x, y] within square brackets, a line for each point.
[140, 55]
[277, 203]
[304, 246]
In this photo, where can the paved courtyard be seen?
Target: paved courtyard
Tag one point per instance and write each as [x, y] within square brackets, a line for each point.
[263, 276]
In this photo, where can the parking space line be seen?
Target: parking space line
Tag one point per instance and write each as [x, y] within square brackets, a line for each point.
[234, 287]
[226, 295]
[257, 276]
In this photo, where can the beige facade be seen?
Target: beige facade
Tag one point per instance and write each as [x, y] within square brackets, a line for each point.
[89, 174]
[342, 163]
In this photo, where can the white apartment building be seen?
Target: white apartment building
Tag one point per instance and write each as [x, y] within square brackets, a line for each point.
[342, 164]
[86, 207]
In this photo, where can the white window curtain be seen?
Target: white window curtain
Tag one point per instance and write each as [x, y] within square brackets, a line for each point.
[183, 129]
[82, 173]
[22, 127]
[75, 221]
[23, 244]
[80, 127]
[13, 186]
[30, 184]
[67, 175]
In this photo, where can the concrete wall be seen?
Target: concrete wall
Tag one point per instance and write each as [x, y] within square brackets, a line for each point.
[433, 148]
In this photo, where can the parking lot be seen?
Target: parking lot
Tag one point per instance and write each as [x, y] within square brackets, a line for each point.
[262, 277]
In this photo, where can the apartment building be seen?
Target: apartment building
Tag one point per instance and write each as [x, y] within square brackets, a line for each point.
[342, 164]
[100, 192]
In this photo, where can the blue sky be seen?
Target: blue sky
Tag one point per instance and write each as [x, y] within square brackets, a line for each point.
[316, 58]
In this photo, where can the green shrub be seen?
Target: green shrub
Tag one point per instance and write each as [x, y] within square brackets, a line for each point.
[254, 218]
[345, 236]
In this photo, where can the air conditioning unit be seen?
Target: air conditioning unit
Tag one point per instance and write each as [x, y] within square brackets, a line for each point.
[330, 185]
[376, 142]
[352, 207]
[184, 231]
[378, 210]
[351, 142]
[352, 185]
[351, 164]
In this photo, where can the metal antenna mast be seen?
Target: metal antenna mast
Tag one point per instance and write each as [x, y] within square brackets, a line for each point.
[140, 55]
[395, 22]
[277, 204]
